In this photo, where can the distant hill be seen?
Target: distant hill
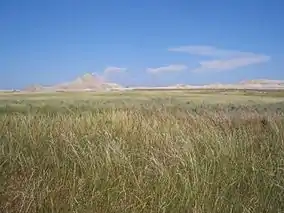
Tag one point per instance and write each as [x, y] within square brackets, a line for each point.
[258, 84]
[263, 81]
[87, 82]
[92, 82]
[34, 88]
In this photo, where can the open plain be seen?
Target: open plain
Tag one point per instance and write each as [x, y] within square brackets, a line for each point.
[142, 151]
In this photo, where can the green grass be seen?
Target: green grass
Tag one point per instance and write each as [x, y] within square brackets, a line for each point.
[141, 153]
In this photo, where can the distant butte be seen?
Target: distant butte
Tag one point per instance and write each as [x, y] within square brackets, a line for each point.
[93, 82]
[87, 82]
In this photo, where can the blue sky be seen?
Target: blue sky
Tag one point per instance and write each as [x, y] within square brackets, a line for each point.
[146, 42]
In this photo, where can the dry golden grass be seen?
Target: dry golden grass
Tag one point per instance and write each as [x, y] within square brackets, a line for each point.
[144, 158]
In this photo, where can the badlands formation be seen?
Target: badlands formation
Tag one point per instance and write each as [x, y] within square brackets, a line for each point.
[91, 82]
[260, 84]
[88, 82]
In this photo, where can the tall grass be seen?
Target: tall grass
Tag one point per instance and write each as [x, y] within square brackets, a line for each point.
[142, 160]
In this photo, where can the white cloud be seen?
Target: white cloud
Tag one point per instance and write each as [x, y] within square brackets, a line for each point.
[170, 68]
[226, 59]
[109, 70]
[210, 51]
[230, 64]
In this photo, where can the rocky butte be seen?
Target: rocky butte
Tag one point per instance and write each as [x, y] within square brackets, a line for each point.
[87, 82]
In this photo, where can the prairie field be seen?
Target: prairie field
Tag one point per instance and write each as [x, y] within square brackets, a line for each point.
[142, 151]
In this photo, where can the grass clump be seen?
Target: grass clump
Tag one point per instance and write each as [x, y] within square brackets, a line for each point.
[142, 159]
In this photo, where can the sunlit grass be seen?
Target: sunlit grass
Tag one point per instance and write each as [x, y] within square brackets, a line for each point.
[141, 158]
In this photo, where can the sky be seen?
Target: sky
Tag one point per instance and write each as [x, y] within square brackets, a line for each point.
[140, 43]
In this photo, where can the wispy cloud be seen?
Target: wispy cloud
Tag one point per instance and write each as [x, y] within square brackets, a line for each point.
[210, 51]
[109, 70]
[230, 64]
[223, 59]
[169, 68]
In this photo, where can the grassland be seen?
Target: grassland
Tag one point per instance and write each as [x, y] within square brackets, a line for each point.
[171, 151]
